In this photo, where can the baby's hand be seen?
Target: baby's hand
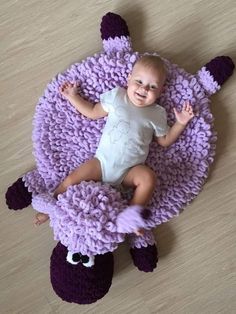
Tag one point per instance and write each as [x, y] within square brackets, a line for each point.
[69, 90]
[185, 115]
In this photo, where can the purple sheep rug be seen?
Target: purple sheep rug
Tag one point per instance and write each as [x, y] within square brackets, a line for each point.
[87, 219]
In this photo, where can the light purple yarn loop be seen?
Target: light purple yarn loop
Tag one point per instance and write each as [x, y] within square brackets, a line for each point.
[122, 43]
[130, 219]
[34, 182]
[85, 218]
[44, 203]
[146, 239]
[207, 81]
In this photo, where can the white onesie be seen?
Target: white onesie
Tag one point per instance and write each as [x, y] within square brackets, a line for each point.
[127, 134]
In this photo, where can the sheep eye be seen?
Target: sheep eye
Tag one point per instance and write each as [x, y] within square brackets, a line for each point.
[90, 262]
[76, 258]
[84, 259]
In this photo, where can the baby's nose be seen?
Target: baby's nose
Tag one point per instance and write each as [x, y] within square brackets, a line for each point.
[145, 88]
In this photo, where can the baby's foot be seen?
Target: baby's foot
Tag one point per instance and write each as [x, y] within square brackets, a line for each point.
[40, 218]
[139, 232]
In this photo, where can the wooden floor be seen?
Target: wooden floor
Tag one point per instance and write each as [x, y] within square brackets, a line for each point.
[197, 268]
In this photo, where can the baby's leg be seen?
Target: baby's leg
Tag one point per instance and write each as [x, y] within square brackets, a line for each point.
[143, 179]
[90, 170]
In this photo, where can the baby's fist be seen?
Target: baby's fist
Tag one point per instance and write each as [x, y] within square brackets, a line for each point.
[69, 89]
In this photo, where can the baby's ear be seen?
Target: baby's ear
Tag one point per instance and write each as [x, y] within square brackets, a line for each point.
[128, 78]
[163, 88]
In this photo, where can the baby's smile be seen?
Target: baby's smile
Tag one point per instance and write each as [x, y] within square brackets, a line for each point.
[141, 95]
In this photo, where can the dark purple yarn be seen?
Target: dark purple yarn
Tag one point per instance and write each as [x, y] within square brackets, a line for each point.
[221, 68]
[77, 283]
[146, 213]
[112, 26]
[18, 196]
[145, 258]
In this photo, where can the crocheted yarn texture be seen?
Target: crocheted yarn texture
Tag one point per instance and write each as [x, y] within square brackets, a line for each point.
[90, 217]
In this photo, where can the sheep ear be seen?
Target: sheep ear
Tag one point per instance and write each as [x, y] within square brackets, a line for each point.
[213, 75]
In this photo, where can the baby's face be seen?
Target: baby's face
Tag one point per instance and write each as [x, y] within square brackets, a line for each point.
[145, 85]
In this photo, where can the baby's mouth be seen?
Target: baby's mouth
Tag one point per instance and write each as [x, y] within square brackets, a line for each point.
[140, 95]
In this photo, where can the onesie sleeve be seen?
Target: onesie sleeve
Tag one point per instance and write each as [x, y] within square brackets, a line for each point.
[160, 122]
[107, 99]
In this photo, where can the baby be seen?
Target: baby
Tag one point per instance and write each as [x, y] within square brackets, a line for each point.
[133, 118]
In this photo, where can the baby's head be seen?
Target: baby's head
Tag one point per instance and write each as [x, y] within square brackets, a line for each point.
[146, 81]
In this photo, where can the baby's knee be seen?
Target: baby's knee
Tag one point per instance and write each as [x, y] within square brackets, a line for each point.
[67, 181]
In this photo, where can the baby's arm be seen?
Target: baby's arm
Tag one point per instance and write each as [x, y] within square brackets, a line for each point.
[70, 92]
[182, 119]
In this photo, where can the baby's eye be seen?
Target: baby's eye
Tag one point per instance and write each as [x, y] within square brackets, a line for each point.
[139, 82]
[153, 87]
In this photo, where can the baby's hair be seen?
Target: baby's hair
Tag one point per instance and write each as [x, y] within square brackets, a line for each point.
[152, 62]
